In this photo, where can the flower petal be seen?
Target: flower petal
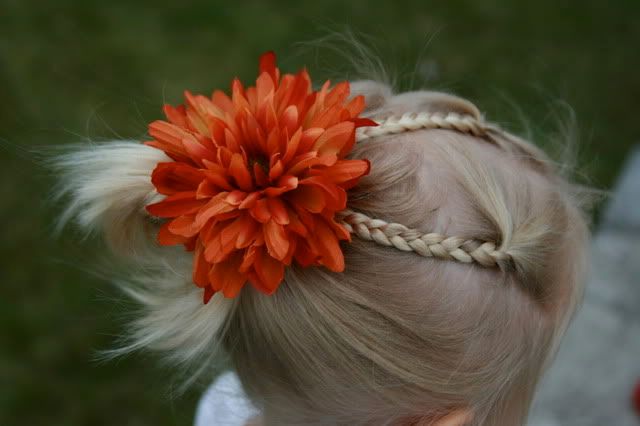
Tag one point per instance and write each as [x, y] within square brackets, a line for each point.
[180, 203]
[337, 139]
[226, 277]
[200, 267]
[345, 172]
[285, 183]
[169, 178]
[335, 197]
[168, 238]
[309, 197]
[260, 211]
[268, 65]
[238, 169]
[276, 238]
[278, 210]
[269, 271]
[184, 226]
[214, 206]
[325, 242]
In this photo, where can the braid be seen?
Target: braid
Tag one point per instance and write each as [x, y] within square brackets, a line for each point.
[425, 120]
[463, 123]
[427, 245]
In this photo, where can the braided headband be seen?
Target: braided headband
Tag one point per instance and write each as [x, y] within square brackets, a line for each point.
[259, 179]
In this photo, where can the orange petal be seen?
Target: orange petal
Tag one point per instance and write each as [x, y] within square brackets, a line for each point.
[222, 101]
[248, 258]
[234, 279]
[336, 139]
[216, 252]
[364, 122]
[276, 170]
[309, 137]
[341, 232]
[248, 233]
[260, 211]
[235, 198]
[184, 225]
[296, 225]
[276, 238]
[309, 197]
[226, 276]
[206, 189]
[237, 96]
[196, 151]
[338, 94]
[239, 233]
[175, 205]
[346, 172]
[278, 211]
[304, 255]
[292, 146]
[325, 242]
[171, 151]
[273, 142]
[250, 201]
[168, 134]
[269, 271]
[238, 169]
[229, 234]
[285, 183]
[168, 238]
[233, 284]
[261, 177]
[208, 294]
[268, 65]
[289, 119]
[214, 206]
[216, 175]
[169, 178]
[300, 91]
[265, 87]
[335, 196]
[176, 116]
[355, 106]
[200, 267]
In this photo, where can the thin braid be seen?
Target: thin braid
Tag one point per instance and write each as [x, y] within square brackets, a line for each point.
[426, 120]
[462, 123]
[427, 245]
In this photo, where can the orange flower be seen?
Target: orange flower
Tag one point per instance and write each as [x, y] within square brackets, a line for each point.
[257, 178]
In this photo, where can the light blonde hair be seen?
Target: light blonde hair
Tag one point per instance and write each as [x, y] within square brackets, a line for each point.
[407, 332]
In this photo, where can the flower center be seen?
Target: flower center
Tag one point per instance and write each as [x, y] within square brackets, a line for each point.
[263, 170]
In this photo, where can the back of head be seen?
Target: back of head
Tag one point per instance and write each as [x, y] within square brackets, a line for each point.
[397, 337]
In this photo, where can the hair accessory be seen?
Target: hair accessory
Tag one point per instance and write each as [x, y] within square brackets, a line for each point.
[257, 178]
[431, 244]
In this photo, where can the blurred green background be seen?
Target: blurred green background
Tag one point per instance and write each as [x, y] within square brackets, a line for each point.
[71, 71]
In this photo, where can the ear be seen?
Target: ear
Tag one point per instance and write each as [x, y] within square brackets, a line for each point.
[456, 418]
[107, 187]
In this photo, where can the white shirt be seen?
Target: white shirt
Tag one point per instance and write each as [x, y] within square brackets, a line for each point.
[225, 404]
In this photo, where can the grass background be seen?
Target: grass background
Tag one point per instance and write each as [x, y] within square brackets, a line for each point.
[77, 70]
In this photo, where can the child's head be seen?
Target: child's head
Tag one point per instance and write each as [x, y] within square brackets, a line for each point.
[400, 336]
[416, 327]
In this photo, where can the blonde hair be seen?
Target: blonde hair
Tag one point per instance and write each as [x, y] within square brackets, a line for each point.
[468, 264]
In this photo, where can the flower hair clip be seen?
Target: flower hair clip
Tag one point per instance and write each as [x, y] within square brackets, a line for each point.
[257, 178]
